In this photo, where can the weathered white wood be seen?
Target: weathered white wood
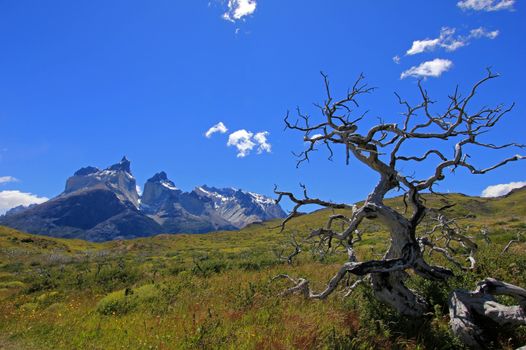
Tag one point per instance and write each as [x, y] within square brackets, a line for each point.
[466, 309]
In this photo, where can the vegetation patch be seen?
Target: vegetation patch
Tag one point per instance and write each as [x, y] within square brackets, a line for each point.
[12, 284]
[153, 295]
[123, 301]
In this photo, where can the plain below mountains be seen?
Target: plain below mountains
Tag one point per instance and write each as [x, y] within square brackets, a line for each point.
[101, 205]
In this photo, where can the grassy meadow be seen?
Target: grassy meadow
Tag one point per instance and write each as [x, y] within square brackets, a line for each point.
[215, 291]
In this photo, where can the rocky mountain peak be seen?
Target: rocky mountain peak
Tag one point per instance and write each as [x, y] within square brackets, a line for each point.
[239, 207]
[158, 190]
[160, 176]
[86, 171]
[123, 165]
[162, 179]
[214, 191]
[116, 178]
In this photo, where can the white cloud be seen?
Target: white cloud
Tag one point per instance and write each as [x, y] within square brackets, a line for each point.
[501, 189]
[242, 140]
[433, 68]
[263, 145]
[219, 127]
[7, 179]
[396, 59]
[483, 33]
[448, 41]
[11, 199]
[245, 141]
[486, 5]
[237, 9]
[138, 189]
[420, 46]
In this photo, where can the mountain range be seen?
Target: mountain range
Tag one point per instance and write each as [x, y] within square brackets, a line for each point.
[101, 205]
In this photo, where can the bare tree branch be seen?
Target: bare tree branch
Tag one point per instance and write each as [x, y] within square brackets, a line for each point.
[517, 240]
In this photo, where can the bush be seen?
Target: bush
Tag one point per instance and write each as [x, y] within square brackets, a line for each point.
[126, 300]
[42, 279]
[28, 307]
[208, 267]
[12, 284]
[116, 275]
[48, 298]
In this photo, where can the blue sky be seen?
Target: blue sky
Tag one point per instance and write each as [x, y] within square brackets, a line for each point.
[86, 82]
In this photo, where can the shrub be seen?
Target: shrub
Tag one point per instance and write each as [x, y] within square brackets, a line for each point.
[28, 307]
[48, 298]
[12, 284]
[42, 279]
[208, 267]
[126, 300]
[116, 275]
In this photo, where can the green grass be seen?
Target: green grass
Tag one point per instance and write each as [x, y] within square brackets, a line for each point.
[214, 291]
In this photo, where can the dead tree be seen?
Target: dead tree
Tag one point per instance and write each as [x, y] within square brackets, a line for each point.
[381, 148]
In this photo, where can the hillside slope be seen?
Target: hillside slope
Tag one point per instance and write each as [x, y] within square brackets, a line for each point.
[214, 291]
[506, 213]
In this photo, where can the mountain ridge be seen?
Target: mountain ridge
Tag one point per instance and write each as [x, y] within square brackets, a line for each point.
[103, 204]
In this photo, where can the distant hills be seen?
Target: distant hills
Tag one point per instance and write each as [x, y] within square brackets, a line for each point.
[101, 205]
